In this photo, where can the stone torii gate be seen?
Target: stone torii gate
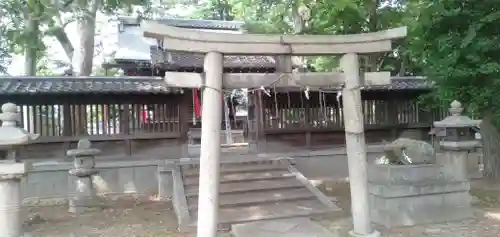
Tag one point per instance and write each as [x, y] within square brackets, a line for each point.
[215, 45]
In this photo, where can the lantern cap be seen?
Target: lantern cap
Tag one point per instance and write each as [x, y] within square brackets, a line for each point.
[456, 119]
[83, 149]
[10, 134]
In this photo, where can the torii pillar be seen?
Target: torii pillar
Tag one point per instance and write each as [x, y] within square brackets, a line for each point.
[216, 45]
[210, 146]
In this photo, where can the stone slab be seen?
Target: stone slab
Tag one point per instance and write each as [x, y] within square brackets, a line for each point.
[407, 174]
[417, 210]
[296, 227]
[259, 197]
[418, 189]
[192, 191]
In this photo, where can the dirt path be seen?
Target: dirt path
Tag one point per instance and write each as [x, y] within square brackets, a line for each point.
[125, 219]
[130, 218]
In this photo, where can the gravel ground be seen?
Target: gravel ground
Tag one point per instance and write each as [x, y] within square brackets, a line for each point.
[157, 219]
[485, 224]
[126, 218]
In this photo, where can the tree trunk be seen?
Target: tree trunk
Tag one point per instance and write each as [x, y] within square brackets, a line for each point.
[32, 28]
[63, 39]
[83, 58]
[86, 28]
[491, 149]
[373, 27]
[298, 28]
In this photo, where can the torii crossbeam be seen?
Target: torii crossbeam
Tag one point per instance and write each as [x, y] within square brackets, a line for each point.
[213, 80]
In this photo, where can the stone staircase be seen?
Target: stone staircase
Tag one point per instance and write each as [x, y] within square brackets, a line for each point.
[251, 189]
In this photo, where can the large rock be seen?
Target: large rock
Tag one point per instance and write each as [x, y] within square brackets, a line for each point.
[418, 152]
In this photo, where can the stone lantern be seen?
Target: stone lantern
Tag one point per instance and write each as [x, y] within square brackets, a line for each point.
[457, 138]
[11, 172]
[85, 198]
[12, 136]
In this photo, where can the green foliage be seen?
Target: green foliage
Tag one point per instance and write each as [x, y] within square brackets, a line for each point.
[16, 38]
[214, 10]
[320, 17]
[458, 46]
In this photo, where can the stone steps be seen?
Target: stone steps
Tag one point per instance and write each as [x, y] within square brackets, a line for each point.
[249, 176]
[247, 187]
[270, 211]
[251, 189]
[259, 197]
[237, 168]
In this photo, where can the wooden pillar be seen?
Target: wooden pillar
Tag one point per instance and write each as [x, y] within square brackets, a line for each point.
[125, 127]
[184, 102]
[392, 116]
[252, 128]
[259, 118]
[67, 131]
[208, 198]
[284, 65]
[356, 147]
[307, 124]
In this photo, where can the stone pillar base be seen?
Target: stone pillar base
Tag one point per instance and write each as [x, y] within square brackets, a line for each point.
[87, 204]
[165, 181]
[375, 233]
[185, 150]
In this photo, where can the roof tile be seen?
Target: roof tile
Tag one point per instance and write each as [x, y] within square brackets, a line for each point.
[27, 85]
[35, 85]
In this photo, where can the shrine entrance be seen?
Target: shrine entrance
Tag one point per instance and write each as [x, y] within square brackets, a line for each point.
[213, 81]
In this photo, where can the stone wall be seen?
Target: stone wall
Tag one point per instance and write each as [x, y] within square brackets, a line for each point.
[168, 148]
[48, 180]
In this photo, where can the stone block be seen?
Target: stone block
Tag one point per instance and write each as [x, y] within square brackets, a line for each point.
[417, 189]
[165, 181]
[407, 195]
[406, 174]
[421, 209]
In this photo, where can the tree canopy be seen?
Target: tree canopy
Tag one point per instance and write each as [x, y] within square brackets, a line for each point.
[454, 43]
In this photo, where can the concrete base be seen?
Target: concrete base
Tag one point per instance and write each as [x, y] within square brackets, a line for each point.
[297, 227]
[373, 234]
[84, 204]
[416, 194]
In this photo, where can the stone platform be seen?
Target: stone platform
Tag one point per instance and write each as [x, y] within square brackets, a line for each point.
[408, 195]
[297, 227]
[251, 189]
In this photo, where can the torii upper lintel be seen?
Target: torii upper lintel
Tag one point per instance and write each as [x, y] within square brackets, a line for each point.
[180, 39]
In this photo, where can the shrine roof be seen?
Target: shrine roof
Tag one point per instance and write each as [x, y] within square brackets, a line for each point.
[140, 85]
[188, 23]
[48, 85]
[134, 47]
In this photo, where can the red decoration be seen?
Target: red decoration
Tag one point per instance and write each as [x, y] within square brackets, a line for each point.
[197, 106]
[131, 72]
[144, 114]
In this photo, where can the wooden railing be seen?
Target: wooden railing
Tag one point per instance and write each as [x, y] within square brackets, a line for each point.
[329, 116]
[100, 120]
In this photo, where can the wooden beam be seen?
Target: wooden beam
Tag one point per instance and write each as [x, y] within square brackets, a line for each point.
[255, 80]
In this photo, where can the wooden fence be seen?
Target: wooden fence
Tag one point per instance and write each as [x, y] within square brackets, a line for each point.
[104, 120]
[320, 120]
[118, 124]
[377, 114]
